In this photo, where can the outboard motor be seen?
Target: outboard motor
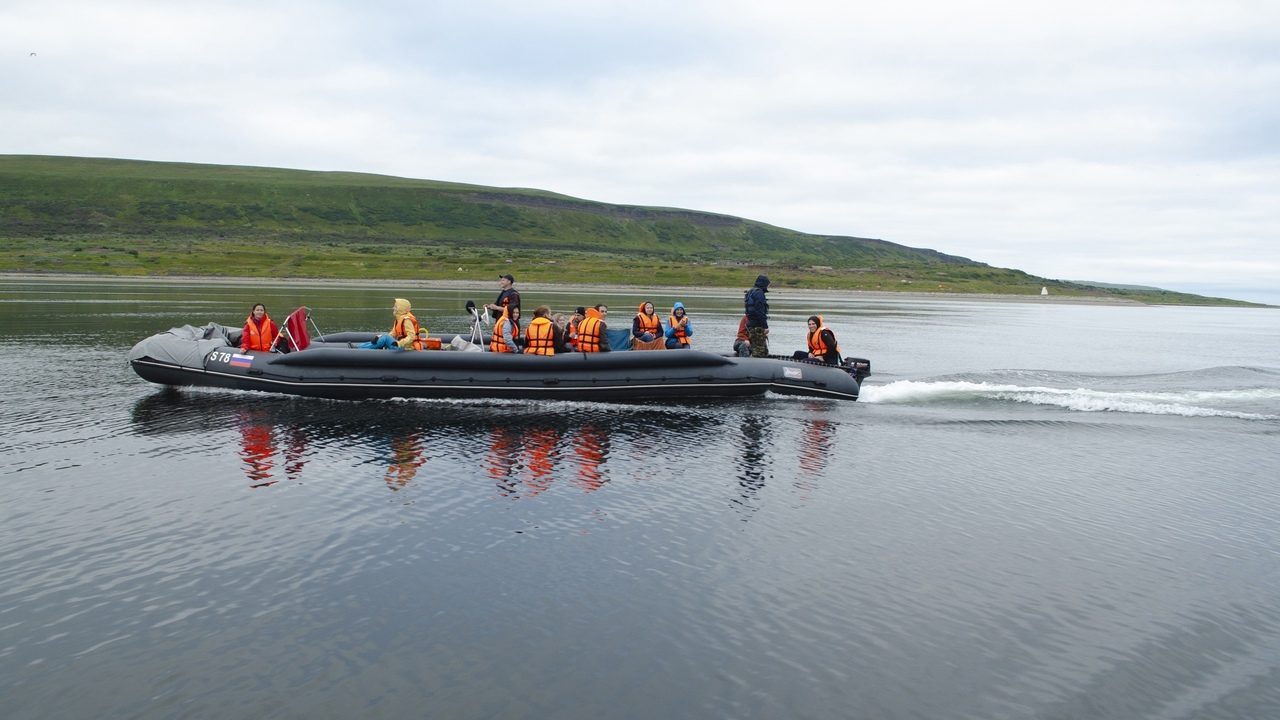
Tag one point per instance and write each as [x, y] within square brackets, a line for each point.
[858, 368]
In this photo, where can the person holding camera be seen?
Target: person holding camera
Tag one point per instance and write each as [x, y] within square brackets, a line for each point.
[506, 298]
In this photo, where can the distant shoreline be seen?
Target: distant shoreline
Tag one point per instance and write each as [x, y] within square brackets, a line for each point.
[72, 216]
[565, 287]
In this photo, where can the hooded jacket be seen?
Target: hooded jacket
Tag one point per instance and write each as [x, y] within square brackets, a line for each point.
[756, 305]
[642, 323]
[822, 342]
[674, 330]
[405, 329]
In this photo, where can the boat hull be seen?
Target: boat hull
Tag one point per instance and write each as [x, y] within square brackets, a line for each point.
[332, 370]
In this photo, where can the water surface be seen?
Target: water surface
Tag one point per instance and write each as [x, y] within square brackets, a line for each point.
[1057, 511]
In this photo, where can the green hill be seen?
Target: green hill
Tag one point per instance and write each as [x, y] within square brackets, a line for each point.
[126, 217]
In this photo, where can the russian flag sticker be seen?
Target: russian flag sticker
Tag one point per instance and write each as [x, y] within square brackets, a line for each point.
[238, 360]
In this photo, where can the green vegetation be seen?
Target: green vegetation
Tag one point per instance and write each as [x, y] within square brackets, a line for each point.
[122, 217]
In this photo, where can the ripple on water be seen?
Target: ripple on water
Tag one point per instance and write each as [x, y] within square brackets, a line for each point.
[775, 557]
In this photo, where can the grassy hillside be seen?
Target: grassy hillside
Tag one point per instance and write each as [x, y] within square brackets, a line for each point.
[127, 217]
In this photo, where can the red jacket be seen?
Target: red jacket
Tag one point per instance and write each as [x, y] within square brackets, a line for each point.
[257, 337]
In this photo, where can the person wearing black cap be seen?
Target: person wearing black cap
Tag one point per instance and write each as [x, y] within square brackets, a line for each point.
[508, 297]
[756, 306]
[571, 331]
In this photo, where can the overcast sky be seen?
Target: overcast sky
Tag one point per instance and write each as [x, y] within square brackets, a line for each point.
[1128, 142]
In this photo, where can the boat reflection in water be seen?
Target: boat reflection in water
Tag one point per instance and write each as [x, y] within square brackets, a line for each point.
[523, 448]
[817, 442]
[406, 457]
[260, 443]
[591, 445]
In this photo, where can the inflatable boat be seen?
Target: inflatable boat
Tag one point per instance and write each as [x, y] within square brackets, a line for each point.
[330, 368]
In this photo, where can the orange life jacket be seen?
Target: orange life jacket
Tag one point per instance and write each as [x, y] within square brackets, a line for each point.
[678, 331]
[259, 338]
[649, 323]
[540, 337]
[571, 333]
[816, 345]
[497, 344]
[399, 331]
[590, 338]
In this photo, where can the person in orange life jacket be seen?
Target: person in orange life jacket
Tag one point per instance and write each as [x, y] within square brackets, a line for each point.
[561, 335]
[679, 328]
[540, 336]
[259, 331]
[405, 333]
[646, 326]
[506, 332]
[742, 344]
[506, 298]
[593, 334]
[822, 343]
[571, 331]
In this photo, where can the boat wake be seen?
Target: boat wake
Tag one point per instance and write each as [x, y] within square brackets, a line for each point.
[1245, 403]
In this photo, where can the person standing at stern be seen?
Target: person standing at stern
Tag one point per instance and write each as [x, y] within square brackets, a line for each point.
[756, 307]
[506, 298]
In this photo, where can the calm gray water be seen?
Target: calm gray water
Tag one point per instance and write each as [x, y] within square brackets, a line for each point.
[1035, 511]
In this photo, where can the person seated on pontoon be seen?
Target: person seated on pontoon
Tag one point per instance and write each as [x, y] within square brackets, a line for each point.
[822, 343]
[506, 332]
[405, 333]
[540, 336]
[561, 334]
[679, 329]
[593, 334]
[646, 327]
[742, 343]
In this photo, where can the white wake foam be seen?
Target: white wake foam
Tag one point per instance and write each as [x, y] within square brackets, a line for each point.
[1190, 403]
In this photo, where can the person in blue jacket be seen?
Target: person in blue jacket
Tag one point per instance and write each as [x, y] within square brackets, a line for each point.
[679, 329]
[756, 307]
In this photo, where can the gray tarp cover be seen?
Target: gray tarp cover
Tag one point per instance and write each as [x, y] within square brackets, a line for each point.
[186, 346]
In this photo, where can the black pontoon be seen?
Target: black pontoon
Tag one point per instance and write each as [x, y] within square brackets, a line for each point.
[329, 368]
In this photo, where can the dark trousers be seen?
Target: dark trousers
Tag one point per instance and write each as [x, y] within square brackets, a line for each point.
[759, 342]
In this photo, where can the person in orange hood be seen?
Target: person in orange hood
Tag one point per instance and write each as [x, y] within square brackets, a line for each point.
[646, 326]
